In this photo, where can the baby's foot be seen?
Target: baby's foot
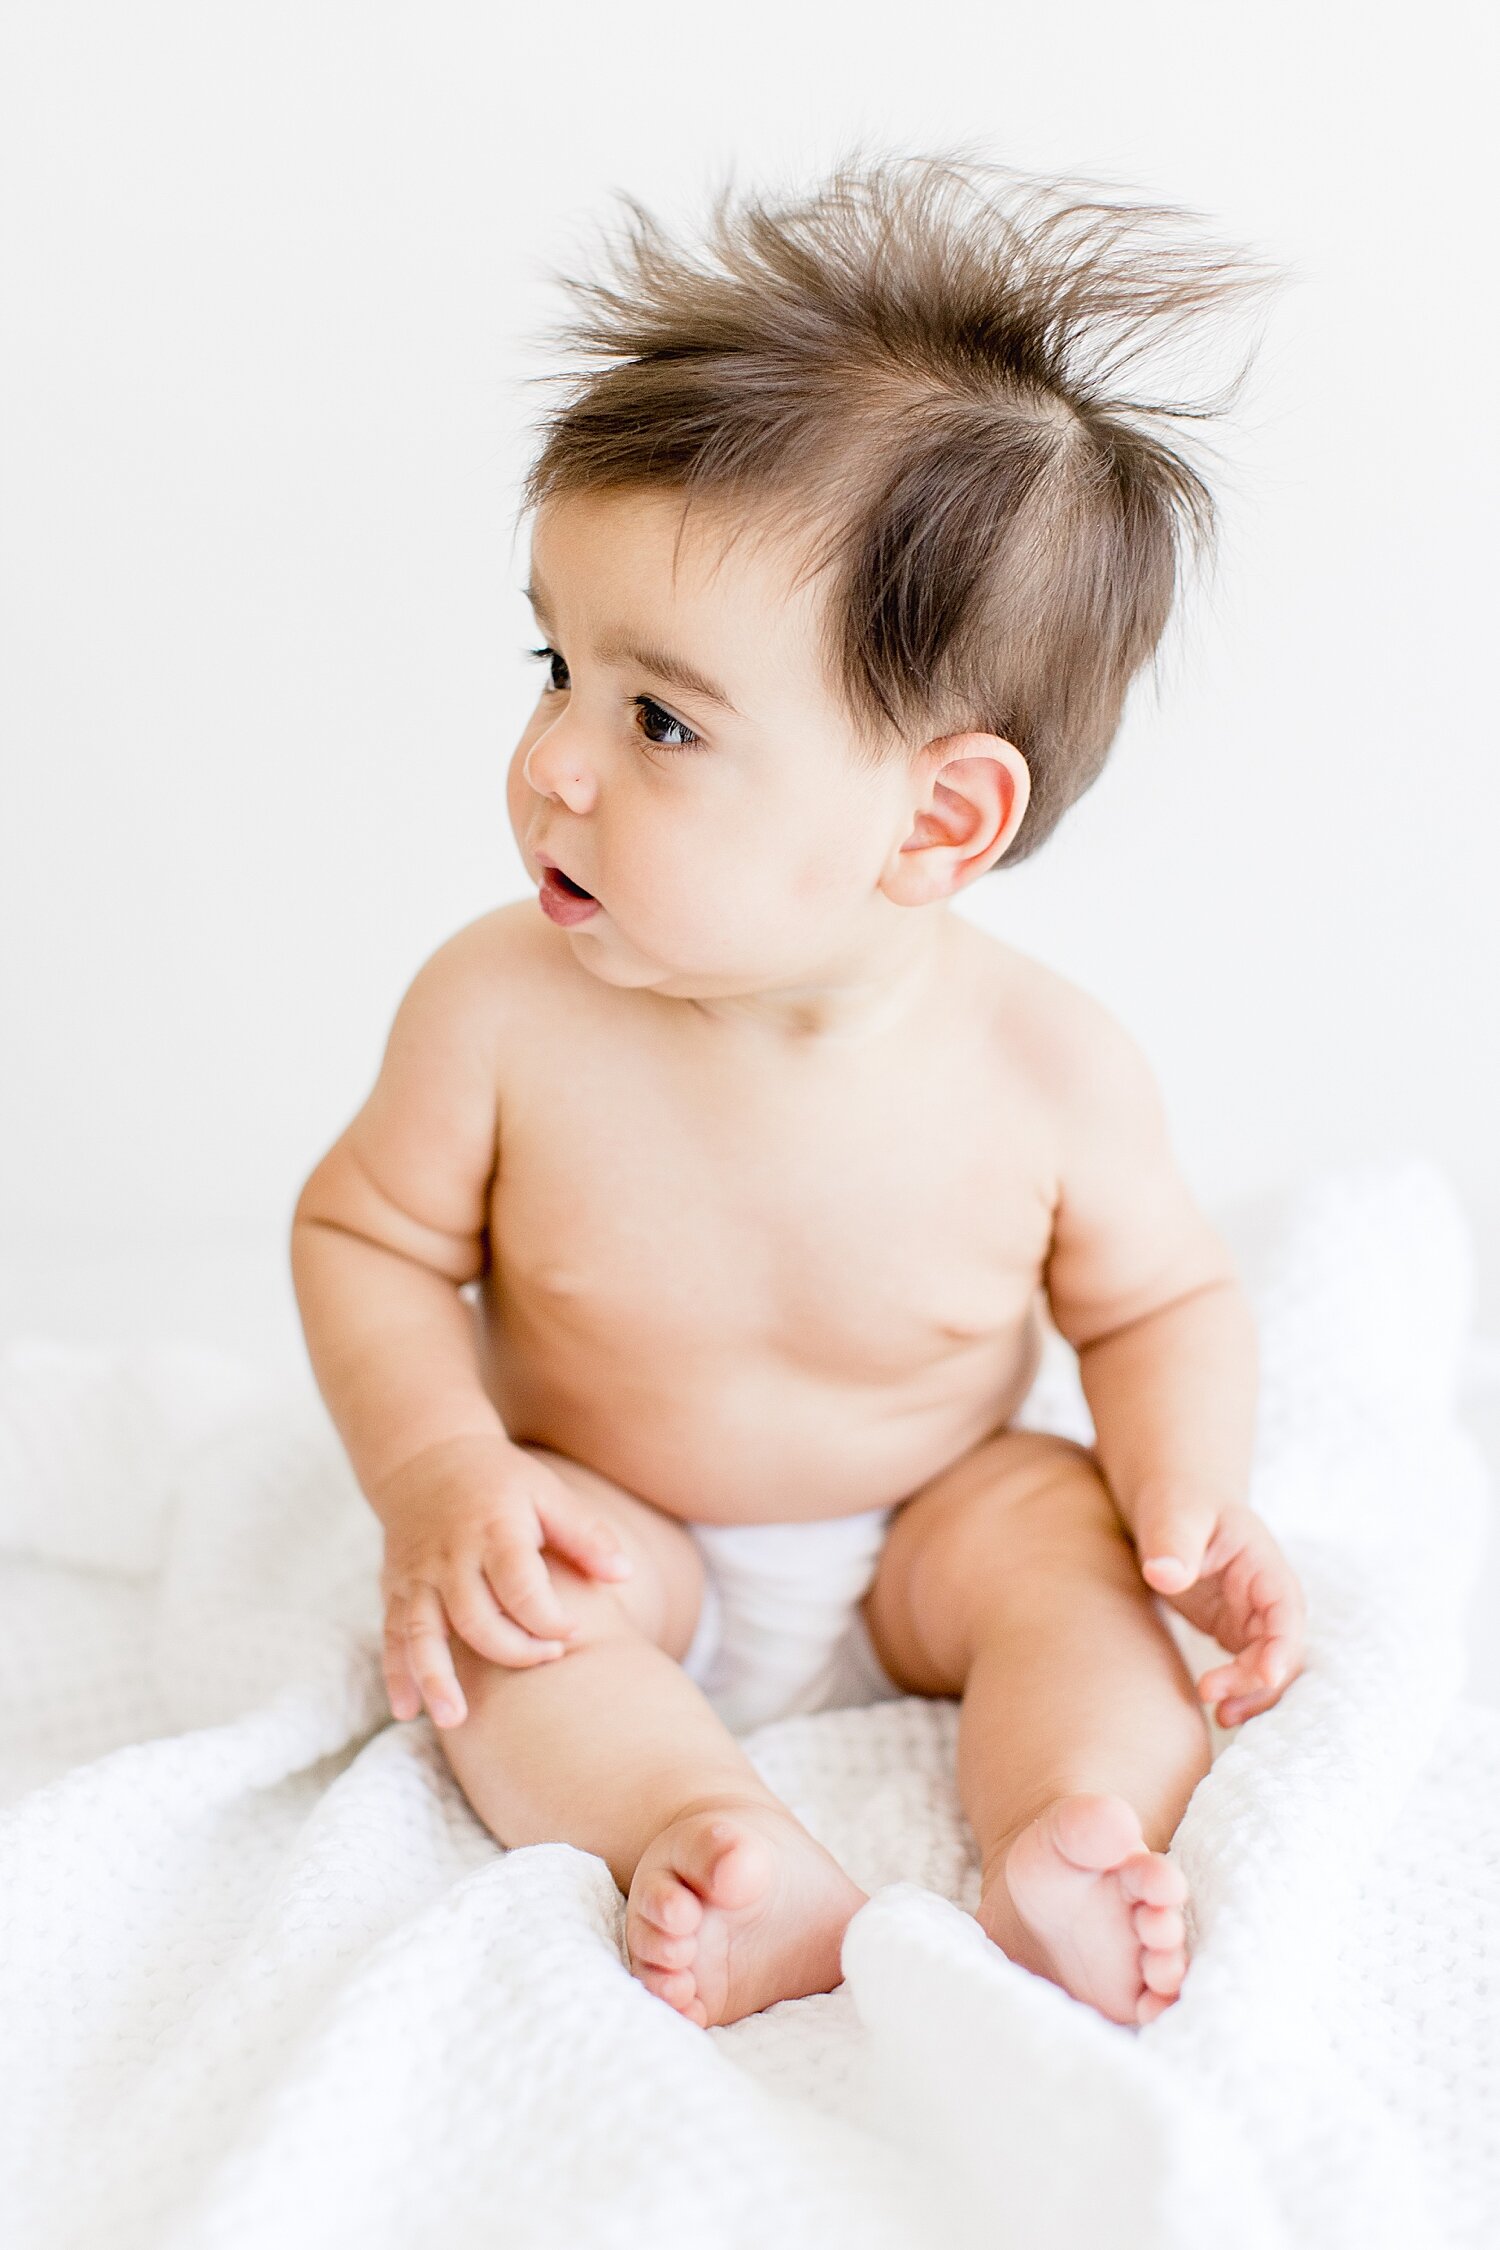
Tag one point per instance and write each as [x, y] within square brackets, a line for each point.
[1104, 1911]
[736, 1906]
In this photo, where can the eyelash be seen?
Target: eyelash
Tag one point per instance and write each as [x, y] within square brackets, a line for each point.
[643, 703]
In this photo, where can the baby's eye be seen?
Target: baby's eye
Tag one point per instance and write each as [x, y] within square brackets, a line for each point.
[652, 715]
[556, 665]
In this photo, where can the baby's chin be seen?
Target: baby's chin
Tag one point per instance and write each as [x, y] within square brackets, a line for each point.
[637, 974]
[601, 947]
[632, 975]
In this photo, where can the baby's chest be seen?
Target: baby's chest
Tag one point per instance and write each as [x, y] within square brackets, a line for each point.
[861, 1237]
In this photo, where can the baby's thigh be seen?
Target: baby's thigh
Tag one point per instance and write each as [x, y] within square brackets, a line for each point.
[1020, 1516]
[664, 1591]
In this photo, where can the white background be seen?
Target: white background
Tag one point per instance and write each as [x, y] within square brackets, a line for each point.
[271, 277]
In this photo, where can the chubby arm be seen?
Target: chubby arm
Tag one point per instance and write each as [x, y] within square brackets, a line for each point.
[1145, 1290]
[392, 1222]
[388, 1228]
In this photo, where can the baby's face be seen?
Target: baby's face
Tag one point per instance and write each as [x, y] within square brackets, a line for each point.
[721, 821]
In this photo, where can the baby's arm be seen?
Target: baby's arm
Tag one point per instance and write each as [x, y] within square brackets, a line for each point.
[1145, 1290]
[390, 1225]
[388, 1228]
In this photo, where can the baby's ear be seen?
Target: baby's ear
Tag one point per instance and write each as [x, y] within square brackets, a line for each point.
[969, 797]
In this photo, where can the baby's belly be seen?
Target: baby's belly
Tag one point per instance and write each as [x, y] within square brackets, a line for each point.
[752, 1437]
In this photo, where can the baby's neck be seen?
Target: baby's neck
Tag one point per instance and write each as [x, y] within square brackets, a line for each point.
[868, 993]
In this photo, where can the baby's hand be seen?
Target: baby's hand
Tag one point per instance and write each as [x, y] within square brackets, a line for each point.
[465, 1524]
[1219, 1566]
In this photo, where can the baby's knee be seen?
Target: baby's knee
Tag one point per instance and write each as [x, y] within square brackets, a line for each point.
[596, 1608]
[595, 1611]
[1033, 1498]
[999, 1529]
[1069, 1507]
[662, 1592]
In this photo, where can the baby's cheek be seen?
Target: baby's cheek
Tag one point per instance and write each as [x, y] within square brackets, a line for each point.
[517, 791]
[833, 862]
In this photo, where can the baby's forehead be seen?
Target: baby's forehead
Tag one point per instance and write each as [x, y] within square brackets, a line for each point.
[670, 540]
[640, 565]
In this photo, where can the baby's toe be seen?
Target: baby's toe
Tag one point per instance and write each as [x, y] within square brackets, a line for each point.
[652, 1949]
[728, 1864]
[1095, 1832]
[1151, 2005]
[675, 1986]
[1153, 1880]
[1163, 1973]
[666, 1902]
[1159, 1927]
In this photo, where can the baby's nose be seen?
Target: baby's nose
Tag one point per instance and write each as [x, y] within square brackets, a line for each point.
[556, 767]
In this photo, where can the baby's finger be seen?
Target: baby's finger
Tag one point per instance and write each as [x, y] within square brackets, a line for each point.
[1239, 1708]
[1273, 1663]
[1285, 1619]
[1228, 1679]
[1260, 1682]
[1178, 1534]
[493, 1635]
[1172, 1556]
[430, 1659]
[590, 1542]
[400, 1687]
[519, 1580]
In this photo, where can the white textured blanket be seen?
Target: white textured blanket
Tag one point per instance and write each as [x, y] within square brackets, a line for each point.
[266, 1980]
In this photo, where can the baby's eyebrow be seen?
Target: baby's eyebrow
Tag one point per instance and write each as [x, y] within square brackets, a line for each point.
[621, 648]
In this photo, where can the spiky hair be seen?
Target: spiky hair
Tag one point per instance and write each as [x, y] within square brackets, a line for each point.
[927, 366]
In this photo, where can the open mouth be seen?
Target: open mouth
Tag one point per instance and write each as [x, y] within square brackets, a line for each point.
[565, 902]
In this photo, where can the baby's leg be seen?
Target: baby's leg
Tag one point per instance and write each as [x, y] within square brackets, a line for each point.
[731, 1903]
[1011, 1581]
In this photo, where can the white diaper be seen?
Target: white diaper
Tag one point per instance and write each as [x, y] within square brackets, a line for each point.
[780, 1629]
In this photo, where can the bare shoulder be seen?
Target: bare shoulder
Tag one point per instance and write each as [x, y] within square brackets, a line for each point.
[492, 943]
[489, 969]
[1074, 1055]
[1128, 1235]
[464, 1022]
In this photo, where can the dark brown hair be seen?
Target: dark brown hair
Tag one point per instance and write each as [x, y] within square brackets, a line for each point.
[921, 368]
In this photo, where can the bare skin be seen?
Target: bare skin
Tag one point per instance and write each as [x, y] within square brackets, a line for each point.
[777, 1365]
[766, 1171]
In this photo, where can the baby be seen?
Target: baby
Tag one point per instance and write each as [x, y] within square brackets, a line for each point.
[767, 1165]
